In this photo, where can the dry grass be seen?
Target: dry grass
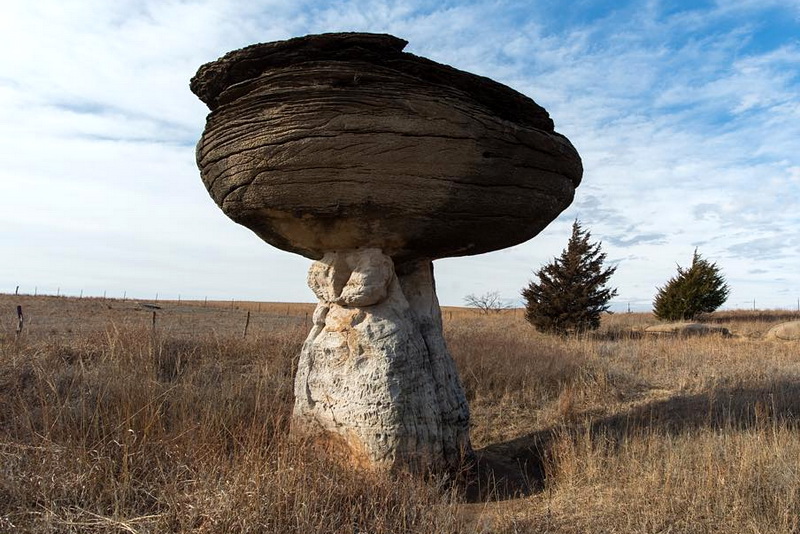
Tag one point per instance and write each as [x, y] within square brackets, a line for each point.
[127, 431]
[107, 426]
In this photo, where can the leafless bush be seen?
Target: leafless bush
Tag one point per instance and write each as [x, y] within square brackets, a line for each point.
[488, 302]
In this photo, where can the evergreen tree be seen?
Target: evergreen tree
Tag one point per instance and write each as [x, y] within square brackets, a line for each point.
[699, 289]
[570, 294]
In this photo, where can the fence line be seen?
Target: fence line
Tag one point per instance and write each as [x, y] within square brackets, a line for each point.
[621, 306]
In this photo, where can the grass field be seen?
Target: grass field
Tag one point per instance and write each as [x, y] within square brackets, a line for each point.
[108, 424]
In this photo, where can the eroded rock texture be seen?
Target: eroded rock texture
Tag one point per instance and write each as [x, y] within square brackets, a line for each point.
[374, 373]
[373, 161]
[344, 141]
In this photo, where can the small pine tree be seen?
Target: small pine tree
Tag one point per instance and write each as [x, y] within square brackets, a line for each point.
[699, 289]
[571, 292]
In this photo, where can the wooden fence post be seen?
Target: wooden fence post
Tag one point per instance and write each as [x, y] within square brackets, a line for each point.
[20, 321]
[154, 321]
[246, 324]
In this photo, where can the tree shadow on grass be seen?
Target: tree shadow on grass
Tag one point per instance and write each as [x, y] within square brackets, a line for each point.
[517, 467]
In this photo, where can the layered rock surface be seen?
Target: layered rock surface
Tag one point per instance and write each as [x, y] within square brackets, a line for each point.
[343, 141]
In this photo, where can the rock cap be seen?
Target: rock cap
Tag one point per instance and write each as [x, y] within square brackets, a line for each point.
[343, 141]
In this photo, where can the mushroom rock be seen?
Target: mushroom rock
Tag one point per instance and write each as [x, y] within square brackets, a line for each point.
[373, 162]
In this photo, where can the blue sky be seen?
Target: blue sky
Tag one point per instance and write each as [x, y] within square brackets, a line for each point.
[686, 115]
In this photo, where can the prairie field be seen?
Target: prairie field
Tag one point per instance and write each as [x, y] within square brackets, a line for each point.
[142, 417]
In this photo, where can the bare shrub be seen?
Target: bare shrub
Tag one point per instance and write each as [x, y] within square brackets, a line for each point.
[486, 303]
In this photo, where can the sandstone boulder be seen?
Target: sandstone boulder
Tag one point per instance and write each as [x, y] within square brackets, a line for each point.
[788, 331]
[344, 141]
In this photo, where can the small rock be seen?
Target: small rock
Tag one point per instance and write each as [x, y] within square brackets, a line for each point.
[788, 331]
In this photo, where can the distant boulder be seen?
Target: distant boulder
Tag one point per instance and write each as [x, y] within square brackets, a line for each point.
[686, 330]
[789, 331]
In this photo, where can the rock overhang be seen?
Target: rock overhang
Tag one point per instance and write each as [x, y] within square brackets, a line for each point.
[343, 141]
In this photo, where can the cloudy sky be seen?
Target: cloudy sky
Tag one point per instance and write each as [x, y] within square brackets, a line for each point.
[686, 115]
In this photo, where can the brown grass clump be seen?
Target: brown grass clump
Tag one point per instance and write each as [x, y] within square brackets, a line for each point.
[522, 380]
[107, 425]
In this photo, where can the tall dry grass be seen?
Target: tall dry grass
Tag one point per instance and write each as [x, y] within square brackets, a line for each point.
[637, 434]
[119, 429]
[126, 431]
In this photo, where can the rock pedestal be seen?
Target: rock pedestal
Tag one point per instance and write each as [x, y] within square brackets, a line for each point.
[374, 373]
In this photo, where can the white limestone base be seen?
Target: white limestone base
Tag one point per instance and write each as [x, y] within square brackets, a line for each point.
[374, 373]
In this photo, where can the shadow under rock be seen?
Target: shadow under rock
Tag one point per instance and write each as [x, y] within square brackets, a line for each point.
[517, 468]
